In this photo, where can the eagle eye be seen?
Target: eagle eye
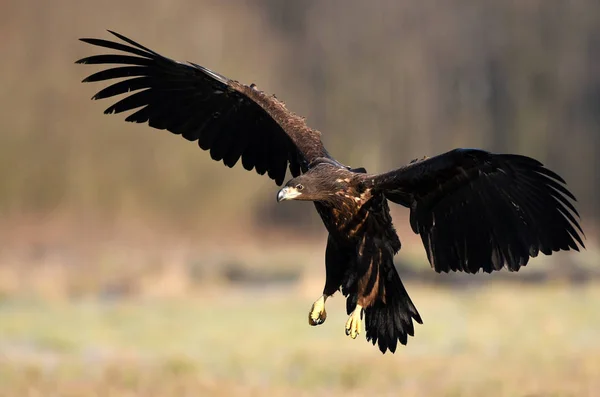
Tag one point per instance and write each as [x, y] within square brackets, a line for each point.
[299, 187]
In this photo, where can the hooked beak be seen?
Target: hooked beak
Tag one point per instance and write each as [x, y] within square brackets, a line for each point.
[287, 193]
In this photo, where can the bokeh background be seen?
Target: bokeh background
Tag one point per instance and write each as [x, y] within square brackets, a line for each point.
[133, 265]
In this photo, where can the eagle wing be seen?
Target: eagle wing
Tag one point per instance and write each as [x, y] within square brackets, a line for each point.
[228, 118]
[477, 210]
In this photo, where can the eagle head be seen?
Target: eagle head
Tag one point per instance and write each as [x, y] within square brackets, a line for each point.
[318, 184]
[294, 190]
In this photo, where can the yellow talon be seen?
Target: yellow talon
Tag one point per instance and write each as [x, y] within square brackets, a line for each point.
[354, 323]
[317, 314]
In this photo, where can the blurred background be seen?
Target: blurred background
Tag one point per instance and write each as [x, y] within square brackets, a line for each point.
[133, 265]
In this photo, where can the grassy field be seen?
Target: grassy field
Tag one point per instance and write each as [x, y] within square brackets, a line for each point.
[502, 340]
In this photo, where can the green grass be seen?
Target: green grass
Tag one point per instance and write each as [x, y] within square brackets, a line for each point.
[502, 340]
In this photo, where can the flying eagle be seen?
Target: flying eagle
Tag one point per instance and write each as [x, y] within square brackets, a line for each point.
[473, 209]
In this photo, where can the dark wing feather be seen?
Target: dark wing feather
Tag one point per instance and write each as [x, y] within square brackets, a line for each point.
[477, 210]
[229, 119]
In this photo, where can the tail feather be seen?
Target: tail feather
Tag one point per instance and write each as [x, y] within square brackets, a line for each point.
[389, 321]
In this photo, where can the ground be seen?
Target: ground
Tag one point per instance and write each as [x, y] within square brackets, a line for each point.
[501, 340]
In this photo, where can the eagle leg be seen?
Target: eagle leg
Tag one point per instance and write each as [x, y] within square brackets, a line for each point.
[354, 323]
[317, 314]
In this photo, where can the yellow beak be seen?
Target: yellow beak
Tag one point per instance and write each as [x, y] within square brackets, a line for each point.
[287, 193]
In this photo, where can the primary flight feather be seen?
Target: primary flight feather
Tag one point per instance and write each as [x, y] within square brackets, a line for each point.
[474, 210]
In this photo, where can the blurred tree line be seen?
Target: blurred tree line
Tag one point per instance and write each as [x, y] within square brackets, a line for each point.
[384, 81]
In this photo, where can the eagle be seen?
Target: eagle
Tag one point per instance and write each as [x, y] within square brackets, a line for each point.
[474, 210]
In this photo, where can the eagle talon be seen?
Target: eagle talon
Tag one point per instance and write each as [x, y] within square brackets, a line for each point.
[354, 323]
[317, 314]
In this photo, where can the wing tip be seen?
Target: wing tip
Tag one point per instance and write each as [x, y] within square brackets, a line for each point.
[116, 34]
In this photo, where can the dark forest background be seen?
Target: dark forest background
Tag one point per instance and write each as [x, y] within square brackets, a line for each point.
[385, 84]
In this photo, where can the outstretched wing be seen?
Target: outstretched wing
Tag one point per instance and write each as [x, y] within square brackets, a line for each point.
[230, 119]
[477, 210]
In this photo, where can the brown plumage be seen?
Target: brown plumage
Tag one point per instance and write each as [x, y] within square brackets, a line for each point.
[473, 209]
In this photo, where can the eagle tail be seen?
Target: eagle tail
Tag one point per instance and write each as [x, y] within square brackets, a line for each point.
[389, 319]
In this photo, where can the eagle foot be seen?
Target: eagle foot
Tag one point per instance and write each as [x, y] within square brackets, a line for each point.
[354, 323]
[317, 314]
